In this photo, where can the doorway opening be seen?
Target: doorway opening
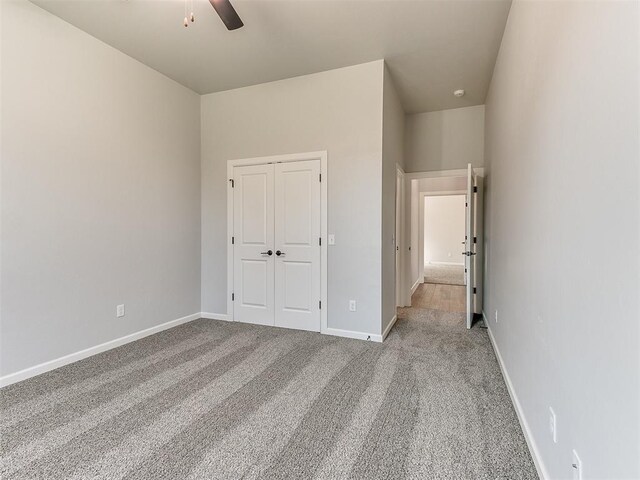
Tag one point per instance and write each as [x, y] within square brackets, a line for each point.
[444, 224]
[443, 259]
[444, 228]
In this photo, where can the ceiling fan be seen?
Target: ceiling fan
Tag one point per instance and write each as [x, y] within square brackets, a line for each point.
[225, 11]
[227, 14]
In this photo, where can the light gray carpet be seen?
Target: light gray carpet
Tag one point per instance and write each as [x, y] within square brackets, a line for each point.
[221, 400]
[444, 274]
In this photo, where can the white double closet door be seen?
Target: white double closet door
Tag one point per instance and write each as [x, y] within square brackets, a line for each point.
[276, 258]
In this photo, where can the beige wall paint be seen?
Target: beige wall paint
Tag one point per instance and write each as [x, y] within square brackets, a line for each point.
[444, 140]
[444, 225]
[392, 155]
[339, 111]
[100, 192]
[562, 236]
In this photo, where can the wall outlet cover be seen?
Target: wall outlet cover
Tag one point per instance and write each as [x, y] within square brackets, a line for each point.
[576, 466]
[552, 425]
[120, 311]
[352, 305]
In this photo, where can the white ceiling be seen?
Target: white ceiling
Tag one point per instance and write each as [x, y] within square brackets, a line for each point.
[432, 47]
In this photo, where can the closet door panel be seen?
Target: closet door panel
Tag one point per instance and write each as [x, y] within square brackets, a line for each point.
[253, 220]
[297, 244]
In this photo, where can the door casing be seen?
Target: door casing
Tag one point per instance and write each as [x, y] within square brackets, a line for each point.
[294, 157]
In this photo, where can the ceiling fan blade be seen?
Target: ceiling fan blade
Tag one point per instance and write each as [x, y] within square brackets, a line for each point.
[227, 13]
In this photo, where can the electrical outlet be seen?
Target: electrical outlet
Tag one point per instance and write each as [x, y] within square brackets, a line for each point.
[552, 425]
[352, 305]
[496, 316]
[332, 239]
[120, 311]
[576, 466]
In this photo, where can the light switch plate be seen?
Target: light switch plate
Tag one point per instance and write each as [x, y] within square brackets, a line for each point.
[332, 239]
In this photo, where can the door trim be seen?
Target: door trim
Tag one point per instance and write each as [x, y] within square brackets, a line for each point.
[293, 157]
[461, 172]
[401, 243]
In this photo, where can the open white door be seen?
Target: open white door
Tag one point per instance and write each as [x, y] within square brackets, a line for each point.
[469, 260]
[399, 240]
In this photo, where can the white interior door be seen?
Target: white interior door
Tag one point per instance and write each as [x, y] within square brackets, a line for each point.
[253, 259]
[469, 259]
[297, 244]
[398, 237]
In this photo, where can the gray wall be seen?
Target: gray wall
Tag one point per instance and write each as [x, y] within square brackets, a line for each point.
[563, 157]
[392, 154]
[444, 140]
[339, 111]
[100, 192]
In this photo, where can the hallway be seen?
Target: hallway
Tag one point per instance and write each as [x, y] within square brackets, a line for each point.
[447, 298]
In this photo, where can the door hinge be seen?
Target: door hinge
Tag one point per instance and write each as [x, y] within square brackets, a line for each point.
[320, 241]
[232, 182]
[233, 240]
[466, 204]
[233, 297]
[475, 239]
[320, 304]
[474, 289]
[475, 189]
[320, 177]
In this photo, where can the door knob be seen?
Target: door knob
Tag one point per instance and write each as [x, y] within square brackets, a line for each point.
[279, 253]
[268, 252]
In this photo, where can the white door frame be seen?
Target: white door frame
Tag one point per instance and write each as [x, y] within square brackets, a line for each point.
[421, 197]
[408, 283]
[461, 172]
[401, 244]
[293, 157]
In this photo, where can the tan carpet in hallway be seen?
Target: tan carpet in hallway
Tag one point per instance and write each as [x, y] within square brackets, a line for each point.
[444, 274]
[448, 298]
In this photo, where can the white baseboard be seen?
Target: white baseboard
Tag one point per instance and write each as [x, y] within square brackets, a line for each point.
[528, 436]
[216, 316]
[415, 285]
[389, 327]
[457, 264]
[329, 331]
[352, 334]
[88, 352]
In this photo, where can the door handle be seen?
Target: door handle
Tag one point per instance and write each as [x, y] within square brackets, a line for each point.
[279, 253]
[268, 252]
[468, 254]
